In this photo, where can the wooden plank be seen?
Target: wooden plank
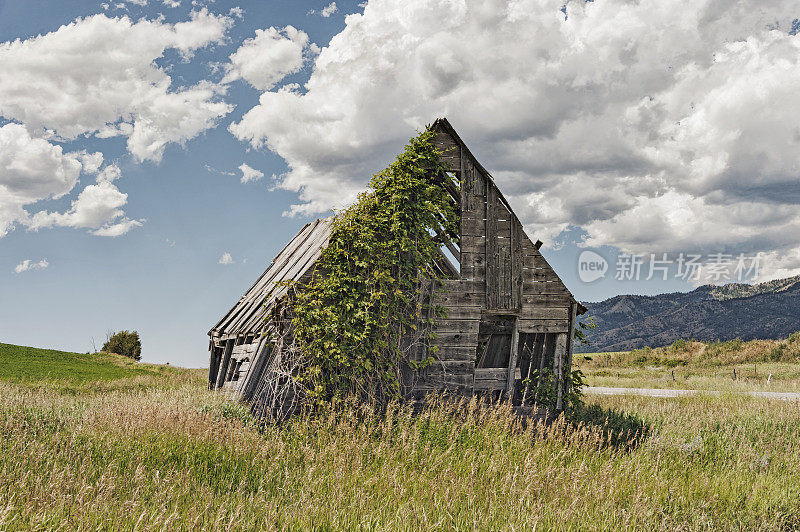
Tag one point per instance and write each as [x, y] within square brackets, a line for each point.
[455, 339]
[504, 276]
[546, 300]
[516, 264]
[459, 293]
[489, 385]
[449, 286]
[492, 257]
[250, 318]
[219, 328]
[570, 346]
[473, 244]
[464, 185]
[473, 259]
[543, 326]
[491, 324]
[537, 351]
[473, 264]
[447, 367]
[256, 369]
[473, 226]
[480, 178]
[463, 313]
[474, 273]
[503, 225]
[544, 313]
[548, 344]
[239, 351]
[539, 274]
[496, 352]
[512, 360]
[534, 288]
[460, 299]
[500, 374]
[532, 261]
[558, 367]
[439, 381]
[442, 326]
[456, 353]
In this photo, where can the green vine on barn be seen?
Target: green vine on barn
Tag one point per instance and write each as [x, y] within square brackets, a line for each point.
[350, 319]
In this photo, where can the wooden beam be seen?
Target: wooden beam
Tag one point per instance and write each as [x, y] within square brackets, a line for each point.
[213, 365]
[446, 241]
[223, 367]
[546, 342]
[570, 346]
[512, 360]
[538, 341]
[516, 263]
[558, 367]
[492, 256]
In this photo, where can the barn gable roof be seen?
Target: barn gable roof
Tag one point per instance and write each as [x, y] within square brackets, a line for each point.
[298, 257]
[292, 263]
[457, 154]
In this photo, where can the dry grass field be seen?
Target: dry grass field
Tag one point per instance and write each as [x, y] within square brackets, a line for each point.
[159, 452]
[759, 365]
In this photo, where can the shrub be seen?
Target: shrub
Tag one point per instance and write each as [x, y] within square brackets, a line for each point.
[125, 343]
[680, 346]
[777, 353]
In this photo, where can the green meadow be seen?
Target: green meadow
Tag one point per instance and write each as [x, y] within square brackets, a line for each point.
[90, 442]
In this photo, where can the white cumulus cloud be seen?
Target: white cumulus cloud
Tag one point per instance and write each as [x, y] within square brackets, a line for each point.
[225, 259]
[98, 76]
[268, 57]
[326, 11]
[250, 174]
[98, 208]
[33, 169]
[666, 126]
[28, 264]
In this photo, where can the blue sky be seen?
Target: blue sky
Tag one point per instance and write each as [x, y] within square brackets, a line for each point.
[621, 129]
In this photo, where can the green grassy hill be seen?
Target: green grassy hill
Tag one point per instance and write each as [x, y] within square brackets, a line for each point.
[23, 364]
[32, 366]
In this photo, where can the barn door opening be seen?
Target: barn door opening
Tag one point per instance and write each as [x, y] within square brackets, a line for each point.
[496, 358]
[537, 364]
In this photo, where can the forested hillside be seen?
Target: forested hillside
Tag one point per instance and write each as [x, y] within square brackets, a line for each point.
[763, 311]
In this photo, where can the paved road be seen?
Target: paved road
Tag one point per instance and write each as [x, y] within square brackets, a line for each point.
[656, 392]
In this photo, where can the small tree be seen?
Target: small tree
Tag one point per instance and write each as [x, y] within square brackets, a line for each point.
[125, 343]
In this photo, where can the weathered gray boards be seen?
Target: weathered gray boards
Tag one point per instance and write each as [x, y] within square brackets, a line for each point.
[509, 320]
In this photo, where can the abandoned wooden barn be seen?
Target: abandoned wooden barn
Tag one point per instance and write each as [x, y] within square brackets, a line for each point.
[509, 316]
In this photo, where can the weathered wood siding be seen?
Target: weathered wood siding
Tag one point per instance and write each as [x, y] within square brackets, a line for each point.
[502, 271]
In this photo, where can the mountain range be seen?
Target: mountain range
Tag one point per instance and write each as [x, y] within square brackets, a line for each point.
[761, 311]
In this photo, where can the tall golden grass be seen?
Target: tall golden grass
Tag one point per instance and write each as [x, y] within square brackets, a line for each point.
[180, 458]
[733, 365]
